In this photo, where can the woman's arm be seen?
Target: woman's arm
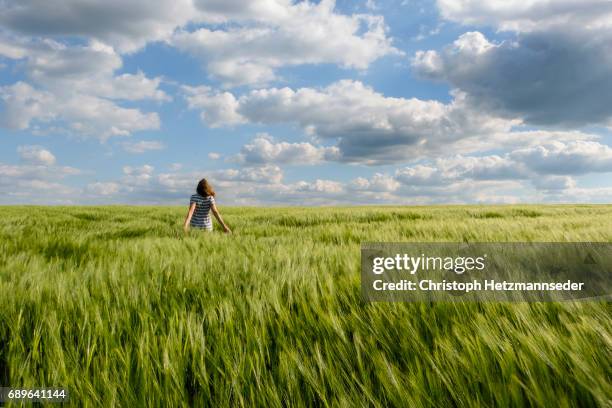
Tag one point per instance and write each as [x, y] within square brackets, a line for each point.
[217, 215]
[192, 208]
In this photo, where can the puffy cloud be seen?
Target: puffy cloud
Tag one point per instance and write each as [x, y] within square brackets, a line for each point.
[250, 40]
[491, 167]
[224, 11]
[519, 175]
[129, 87]
[554, 72]
[265, 174]
[554, 183]
[217, 108]
[450, 170]
[136, 183]
[372, 129]
[125, 25]
[176, 181]
[378, 183]
[558, 77]
[85, 115]
[381, 189]
[520, 15]
[141, 184]
[575, 194]
[36, 155]
[214, 156]
[187, 181]
[22, 103]
[419, 175]
[516, 139]
[283, 33]
[319, 186]
[39, 172]
[142, 146]
[87, 69]
[75, 90]
[572, 158]
[265, 185]
[105, 189]
[263, 150]
[37, 192]
[242, 186]
[11, 51]
[548, 166]
[137, 176]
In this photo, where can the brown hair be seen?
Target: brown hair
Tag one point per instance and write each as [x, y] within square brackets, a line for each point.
[205, 189]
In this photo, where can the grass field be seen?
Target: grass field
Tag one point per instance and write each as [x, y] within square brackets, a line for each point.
[120, 307]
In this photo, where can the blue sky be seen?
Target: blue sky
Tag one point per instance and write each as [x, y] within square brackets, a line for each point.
[279, 102]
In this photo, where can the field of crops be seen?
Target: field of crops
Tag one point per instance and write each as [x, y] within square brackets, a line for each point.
[120, 307]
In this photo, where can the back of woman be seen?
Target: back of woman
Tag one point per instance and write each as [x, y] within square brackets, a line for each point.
[201, 215]
[200, 206]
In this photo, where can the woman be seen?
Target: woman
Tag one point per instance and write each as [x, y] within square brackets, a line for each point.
[200, 207]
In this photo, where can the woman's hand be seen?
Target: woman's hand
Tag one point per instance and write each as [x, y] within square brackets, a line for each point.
[192, 208]
[226, 229]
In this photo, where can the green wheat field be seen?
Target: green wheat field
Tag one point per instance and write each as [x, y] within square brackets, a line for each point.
[122, 308]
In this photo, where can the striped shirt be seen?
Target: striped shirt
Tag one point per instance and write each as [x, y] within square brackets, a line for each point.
[201, 215]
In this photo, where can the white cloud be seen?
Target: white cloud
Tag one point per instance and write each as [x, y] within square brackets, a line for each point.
[525, 174]
[175, 181]
[555, 71]
[450, 170]
[84, 115]
[601, 195]
[520, 15]
[75, 89]
[103, 188]
[516, 138]
[378, 183]
[556, 77]
[570, 158]
[265, 174]
[214, 156]
[39, 172]
[250, 40]
[87, 69]
[554, 183]
[125, 25]
[217, 108]
[35, 171]
[319, 186]
[137, 176]
[547, 166]
[129, 87]
[22, 103]
[142, 146]
[36, 155]
[284, 34]
[263, 149]
[419, 175]
[142, 185]
[368, 126]
[12, 51]
[265, 185]
[491, 167]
